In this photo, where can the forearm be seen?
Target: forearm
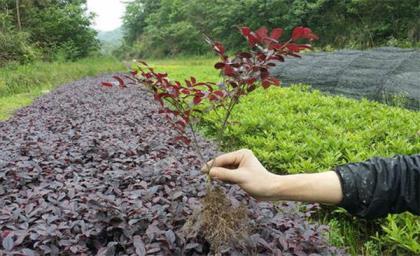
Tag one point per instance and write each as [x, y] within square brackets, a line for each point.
[322, 187]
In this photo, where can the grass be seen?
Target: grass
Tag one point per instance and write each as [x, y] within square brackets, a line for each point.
[294, 130]
[185, 67]
[20, 85]
[9, 104]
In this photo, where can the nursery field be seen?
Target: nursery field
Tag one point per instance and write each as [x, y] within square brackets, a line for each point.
[87, 169]
[296, 130]
[94, 170]
[111, 112]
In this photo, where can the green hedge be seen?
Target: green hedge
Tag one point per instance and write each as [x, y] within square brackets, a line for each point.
[295, 130]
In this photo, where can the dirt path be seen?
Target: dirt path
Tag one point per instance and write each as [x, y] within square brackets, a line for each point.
[93, 170]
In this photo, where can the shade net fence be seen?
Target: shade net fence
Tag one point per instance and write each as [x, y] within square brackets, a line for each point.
[389, 75]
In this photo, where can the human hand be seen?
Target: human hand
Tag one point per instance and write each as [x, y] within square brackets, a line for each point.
[243, 168]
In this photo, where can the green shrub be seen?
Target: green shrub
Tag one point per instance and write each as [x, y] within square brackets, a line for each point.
[295, 130]
[402, 233]
[15, 47]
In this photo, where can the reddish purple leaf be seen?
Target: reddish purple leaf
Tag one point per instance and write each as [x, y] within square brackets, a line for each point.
[197, 100]
[106, 84]
[219, 93]
[276, 33]
[219, 65]
[245, 31]
[120, 81]
[219, 48]
[185, 91]
[262, 33]
[228, 70]
[303, 33]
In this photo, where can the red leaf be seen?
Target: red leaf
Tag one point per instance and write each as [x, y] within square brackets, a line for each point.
[188, 83]
[266, 83]
[276, 33]
[228, 70]
[250, 81]
[133, 72]
[297, 33]
[252, 40]
[262, 33]
[219, 65]
[161, 75]
[106, 84]
[245, 31]
[120, 81]
[245, 55]
[193, 80]
[303, 33]
[185, 91]
[181, 123]
[264, 73]
[197, 100]
[199, 93]
[177, 84]
[212, 97]
[251, 88]
[275, 81]
[297, 47]
[219, 48]
[219, 93]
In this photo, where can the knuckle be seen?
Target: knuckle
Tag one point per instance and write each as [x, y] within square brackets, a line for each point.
[246, 151]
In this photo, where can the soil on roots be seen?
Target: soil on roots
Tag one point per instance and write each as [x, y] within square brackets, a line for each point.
[221, 224]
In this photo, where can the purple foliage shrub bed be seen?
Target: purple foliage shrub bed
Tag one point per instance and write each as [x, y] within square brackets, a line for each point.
[88, 170]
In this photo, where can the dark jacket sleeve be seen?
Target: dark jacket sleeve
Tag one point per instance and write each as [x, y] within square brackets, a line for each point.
[379, 186]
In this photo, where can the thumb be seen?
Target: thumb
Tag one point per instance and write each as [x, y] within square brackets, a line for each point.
[225, 175]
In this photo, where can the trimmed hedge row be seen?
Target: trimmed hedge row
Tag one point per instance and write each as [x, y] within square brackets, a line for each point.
[295, 130]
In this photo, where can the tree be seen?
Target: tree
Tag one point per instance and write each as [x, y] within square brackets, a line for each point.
[56, 27]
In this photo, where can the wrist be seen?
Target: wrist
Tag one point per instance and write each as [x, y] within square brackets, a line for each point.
[276, 187]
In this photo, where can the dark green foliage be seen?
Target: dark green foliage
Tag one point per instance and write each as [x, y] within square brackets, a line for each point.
[58, 29]
[168, 27]
[305, 131]
[14, 45]
[62, 28]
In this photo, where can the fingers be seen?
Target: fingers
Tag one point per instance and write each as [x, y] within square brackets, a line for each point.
[231, 160]
[225, 175]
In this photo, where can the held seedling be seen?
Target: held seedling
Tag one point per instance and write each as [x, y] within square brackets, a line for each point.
[184, 104]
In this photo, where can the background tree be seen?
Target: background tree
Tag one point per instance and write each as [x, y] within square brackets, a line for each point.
[47, 29]
[340, 23]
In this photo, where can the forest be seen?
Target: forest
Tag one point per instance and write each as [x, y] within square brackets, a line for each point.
[45, 30]
[171, 27]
